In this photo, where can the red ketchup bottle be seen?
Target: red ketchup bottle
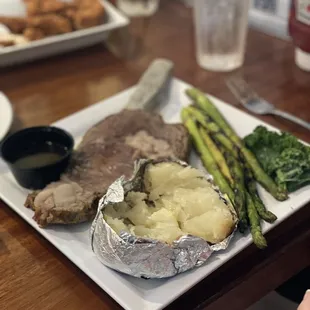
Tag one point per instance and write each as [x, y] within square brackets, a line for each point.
[299, 29]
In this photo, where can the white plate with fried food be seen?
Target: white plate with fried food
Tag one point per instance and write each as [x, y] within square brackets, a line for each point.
[74, 242]
[33, 29]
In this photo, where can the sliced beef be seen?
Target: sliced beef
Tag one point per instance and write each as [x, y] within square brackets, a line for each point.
[107, 151]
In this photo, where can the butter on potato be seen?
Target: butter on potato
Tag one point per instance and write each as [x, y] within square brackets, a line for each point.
[177, 201]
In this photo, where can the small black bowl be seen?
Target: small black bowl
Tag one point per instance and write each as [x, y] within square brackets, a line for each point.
[37, 155]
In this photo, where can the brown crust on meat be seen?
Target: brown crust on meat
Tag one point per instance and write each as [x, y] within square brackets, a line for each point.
[62, 216]
[29, 203]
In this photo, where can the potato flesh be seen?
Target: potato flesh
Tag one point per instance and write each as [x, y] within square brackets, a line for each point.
[117, 224]
[217, 222]
[183, 202]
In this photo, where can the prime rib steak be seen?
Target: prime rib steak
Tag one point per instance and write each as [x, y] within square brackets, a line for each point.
[107, 151]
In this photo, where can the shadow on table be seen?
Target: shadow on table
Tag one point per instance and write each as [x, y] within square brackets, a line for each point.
[295, 288]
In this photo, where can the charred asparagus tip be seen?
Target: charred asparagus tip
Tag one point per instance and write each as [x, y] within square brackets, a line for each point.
[259, 240]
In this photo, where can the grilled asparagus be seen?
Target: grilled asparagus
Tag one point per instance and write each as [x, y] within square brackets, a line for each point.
[254, 220]
[205, 155]
[207, 106]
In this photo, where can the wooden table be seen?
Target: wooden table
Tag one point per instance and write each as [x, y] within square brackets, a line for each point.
[34, 275]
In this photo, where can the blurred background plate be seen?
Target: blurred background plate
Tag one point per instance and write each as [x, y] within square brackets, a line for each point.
[6, 115]
[59, 43]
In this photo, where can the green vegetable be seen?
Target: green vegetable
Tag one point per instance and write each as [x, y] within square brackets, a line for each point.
[282, 156]
[205, 155]
[226, 162]
[254, 219]
[238, 186]
[260, 175]
[217, 155]
[206, 122]
[260, 207]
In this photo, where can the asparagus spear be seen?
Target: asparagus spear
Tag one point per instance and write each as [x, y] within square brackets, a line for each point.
[207, 106]
[254, 219]
[236, 178]
[205, 155]
[260, 207]
[250, 181]
[238, 186]
[217, 155]
[206, 122]
[220, 137]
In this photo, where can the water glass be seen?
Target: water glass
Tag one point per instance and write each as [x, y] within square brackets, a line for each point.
[221, 28]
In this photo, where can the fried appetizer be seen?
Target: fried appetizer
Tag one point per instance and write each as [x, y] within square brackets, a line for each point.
[33, 33]
[51, 24]
[15, 24]
[32, 7]
[52, 17]
[55, 6]
[89, 14]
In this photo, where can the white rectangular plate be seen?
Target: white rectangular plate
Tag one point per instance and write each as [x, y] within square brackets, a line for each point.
[59, 43]
[73, 240]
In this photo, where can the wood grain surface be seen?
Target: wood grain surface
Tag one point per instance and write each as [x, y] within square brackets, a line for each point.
[35, 275]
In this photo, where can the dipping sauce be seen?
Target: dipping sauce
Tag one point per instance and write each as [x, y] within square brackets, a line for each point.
[43, 155]
[37, 156]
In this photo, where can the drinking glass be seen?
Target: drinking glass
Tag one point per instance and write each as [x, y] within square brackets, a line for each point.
[138, 7]
[221, 29]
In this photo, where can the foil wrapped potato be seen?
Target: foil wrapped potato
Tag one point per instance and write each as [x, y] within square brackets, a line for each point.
[166, 219]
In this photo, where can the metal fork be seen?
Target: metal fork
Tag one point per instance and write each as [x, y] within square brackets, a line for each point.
[250, 100]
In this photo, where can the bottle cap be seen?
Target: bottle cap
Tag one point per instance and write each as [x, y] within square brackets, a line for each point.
[302, 59]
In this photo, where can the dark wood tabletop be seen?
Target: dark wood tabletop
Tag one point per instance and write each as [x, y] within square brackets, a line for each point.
[35, 275]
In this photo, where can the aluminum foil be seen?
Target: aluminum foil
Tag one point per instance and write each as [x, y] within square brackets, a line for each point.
[147, 258]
